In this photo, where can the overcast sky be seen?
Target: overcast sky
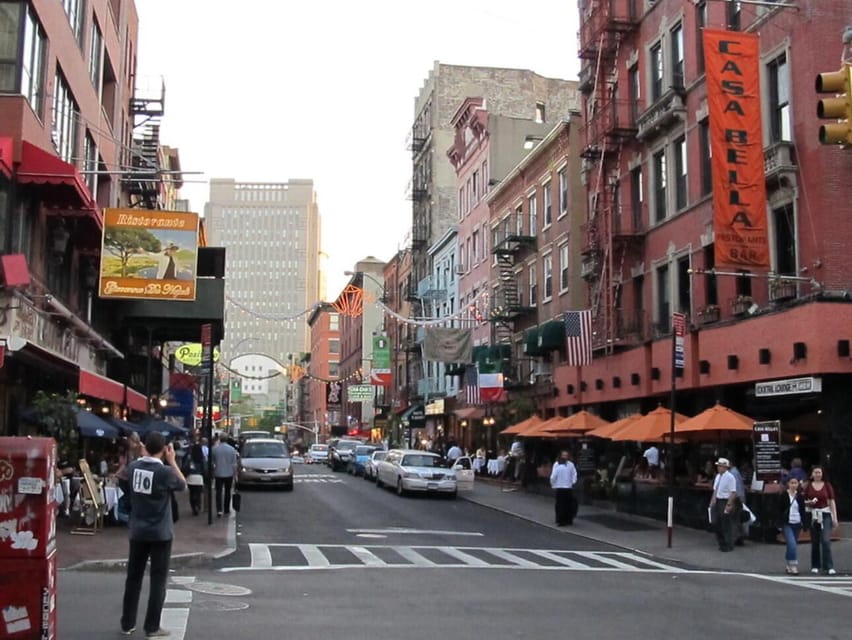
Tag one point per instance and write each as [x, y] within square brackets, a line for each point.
[265, 90]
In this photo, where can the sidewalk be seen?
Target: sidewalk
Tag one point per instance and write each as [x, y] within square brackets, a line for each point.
[691, 547]
[194, 541]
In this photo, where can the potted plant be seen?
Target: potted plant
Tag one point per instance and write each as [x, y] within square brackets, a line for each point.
[710, 313]
[782, 289]
[741, 304]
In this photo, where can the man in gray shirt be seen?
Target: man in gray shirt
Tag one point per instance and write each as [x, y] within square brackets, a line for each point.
[150, 482]
[224, 467]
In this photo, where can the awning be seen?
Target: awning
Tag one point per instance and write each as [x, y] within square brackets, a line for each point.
[470, 413]
[6, 156]
[91, 426]
[136, 401]
[531, 342]
[68, 189]
[166, 428]
[551, 335]
[96, 386]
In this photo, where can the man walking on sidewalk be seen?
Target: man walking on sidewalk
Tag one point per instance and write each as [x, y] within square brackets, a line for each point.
[724, 505]
[224, 469]
[563, 477]
[150, 481]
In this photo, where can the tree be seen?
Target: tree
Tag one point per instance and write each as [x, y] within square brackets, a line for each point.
[124, 243]
[55, 413]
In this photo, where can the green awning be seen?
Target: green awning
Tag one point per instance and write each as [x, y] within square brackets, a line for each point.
[531, 342]
[551, 335]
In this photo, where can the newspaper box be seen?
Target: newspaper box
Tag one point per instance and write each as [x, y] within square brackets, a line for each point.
[27, 498]
[28, 598]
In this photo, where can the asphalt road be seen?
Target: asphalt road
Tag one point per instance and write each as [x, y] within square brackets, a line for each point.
[338, 557]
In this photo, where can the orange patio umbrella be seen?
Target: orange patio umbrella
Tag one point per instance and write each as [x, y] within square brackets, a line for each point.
[542, 429]
[651, 427]
[611, 429]
[516, 429]
[714, 422]
[582, 421]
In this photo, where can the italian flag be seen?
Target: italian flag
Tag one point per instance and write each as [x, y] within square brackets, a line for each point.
[491, 387]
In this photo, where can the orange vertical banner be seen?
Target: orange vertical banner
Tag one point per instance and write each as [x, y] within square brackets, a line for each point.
[736, 141]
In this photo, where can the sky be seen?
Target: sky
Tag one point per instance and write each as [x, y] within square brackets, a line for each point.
[264, 90]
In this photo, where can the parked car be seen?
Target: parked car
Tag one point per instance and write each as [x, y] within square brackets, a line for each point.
[265, 462]
[359, 459]
[412, 470]
[373, 462]
[340, 454]
[318, 454]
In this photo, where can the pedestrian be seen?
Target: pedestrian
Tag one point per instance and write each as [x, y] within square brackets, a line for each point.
[150, 481]
[792, 516]
[453, 454]
[724, 505]
[193, 469]
[819, 500]
[563, 477]
[652, 455]
[224, 469]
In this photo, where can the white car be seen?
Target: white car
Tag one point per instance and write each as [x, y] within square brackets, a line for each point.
[412, 470]
[372, 464]
[318, 454]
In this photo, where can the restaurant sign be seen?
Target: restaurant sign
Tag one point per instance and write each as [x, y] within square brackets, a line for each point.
[789, 386]
[767, 449]
[359, 392]
[149, 255]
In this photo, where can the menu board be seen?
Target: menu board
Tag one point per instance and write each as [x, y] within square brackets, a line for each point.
[767, 449]
[585, 458]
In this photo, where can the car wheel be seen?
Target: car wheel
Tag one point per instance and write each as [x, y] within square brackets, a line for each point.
[400, 491]
[379, 481]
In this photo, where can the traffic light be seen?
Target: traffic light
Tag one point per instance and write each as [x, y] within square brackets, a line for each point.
[838, 108]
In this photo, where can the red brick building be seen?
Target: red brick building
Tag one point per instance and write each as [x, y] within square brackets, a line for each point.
[324, 367]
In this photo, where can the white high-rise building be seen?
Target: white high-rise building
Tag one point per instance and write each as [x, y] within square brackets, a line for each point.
[271, 232]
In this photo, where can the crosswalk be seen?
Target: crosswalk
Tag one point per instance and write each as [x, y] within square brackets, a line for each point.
[307, 557]
[318, 478]
[176, 609]
[837, 585]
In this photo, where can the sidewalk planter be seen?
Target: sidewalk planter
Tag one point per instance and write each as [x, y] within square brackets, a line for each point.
[781, 291]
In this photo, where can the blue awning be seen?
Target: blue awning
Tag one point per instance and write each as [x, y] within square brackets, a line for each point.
[91, 426]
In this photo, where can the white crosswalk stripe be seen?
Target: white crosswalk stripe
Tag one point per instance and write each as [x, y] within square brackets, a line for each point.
[307, 557]
[315, 479]
[175, 618]
[837, 585]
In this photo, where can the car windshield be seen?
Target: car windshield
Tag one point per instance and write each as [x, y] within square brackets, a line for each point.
[319, 447]
[420, 461]
[363, 451]
[380, 455]
[265, 450]
[347, 445]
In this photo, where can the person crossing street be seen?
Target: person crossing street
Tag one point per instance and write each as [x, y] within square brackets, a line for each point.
[563, 477]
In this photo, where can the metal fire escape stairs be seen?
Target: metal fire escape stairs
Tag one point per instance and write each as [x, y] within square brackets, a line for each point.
[144, 179]
[607, 131]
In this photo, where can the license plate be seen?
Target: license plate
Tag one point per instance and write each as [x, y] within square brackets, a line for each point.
[432, 485]
[265, 478]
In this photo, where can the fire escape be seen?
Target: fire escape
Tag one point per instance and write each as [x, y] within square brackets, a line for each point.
[143, 181]
[507, 303]
[610, 127]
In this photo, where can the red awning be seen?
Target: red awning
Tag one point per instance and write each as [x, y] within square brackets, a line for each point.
[15, 272]
[91, 384]
[6, 156]
[67, 187]
[136, 401]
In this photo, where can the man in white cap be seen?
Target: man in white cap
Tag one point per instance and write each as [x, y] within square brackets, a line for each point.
[724, 505]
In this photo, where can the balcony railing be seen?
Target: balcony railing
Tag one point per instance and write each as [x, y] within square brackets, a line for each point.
[431, 288]
[668, 110]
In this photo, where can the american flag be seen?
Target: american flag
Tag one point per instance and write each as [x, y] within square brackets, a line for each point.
[471, 384]
[578, 336]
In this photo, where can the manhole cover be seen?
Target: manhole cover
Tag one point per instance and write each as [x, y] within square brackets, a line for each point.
[218, 589]
[222, 605]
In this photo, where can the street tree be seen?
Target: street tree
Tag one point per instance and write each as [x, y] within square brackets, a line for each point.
[124, 243]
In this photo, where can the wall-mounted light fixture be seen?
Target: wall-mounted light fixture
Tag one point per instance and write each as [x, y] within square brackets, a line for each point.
[59, 237]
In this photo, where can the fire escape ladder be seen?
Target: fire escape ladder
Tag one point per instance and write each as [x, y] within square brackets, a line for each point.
[144, 178]
[509, 294]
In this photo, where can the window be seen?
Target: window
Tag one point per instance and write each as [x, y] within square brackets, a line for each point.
[74, 11]
[539, 112]
[711, 285]
[32, 65]
[779, 100]
[547, 203]
[706, 157]
[96, 58]
[90, 154]
[680, 173]
[663, 299]
[26, 76]
[743, 283]
[547, 276]
[636, 197]
[333, 322]
[684, 288]
[461, 203]
[700, 24]
[519, 222]
[533, 285]
[735, 14]
[333, 369]
[784, 227]
[533, 213]
[563, 192]
[657, 72]
[475, 188]
[563, 268]
[334, 345]
[678, 79]
[633, 86]
[64, 120]
[660, 184]
[484, 174]
[638, 298]
[475, 247]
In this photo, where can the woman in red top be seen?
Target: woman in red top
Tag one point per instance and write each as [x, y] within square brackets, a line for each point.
[819, 500]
